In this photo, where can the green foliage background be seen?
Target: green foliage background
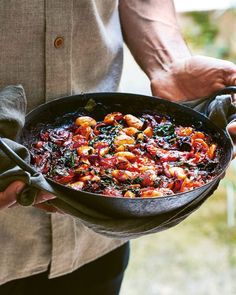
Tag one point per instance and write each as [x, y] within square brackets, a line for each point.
[203, 32]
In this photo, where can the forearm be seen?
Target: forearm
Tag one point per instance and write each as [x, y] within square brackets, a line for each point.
[152, 34]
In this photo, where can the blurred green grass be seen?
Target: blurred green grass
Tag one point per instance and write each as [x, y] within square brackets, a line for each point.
[197, 256]
[210, 33]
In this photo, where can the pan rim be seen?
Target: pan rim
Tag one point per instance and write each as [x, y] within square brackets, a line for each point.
[176, 105]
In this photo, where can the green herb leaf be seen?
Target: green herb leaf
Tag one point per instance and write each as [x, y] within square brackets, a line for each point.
[138, 180]
[90, 105]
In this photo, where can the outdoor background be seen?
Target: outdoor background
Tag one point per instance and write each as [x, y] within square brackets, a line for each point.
[197, 257]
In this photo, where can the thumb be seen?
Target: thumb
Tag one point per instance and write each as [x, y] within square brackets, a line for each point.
[232, 131]
[230, 74]
[232, 128]
[8, 196]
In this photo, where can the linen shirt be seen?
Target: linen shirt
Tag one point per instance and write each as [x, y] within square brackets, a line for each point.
[55, 48]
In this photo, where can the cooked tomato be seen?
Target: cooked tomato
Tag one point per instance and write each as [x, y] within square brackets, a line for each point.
[126, 155]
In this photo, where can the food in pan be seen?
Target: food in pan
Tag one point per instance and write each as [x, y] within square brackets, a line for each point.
[126, 155]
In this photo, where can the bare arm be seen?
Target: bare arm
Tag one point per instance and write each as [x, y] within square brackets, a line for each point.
[152, 34]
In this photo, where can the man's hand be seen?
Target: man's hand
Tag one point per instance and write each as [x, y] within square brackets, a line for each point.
[152, 33]
[193, 77]
[8, 197]
[232, 131]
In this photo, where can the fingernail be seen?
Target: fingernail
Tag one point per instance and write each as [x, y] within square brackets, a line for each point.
[19, 189]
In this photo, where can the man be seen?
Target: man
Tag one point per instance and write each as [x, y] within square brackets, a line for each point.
[57, 48]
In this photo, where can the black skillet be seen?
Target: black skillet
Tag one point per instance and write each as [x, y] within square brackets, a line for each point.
[58, 112]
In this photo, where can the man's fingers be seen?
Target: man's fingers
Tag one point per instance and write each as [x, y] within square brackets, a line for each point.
[43, 196]
[232, 131]
[233, 80]
[8, 197]
[48, 208]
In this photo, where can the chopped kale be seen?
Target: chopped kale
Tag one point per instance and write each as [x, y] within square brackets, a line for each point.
[138, 180]
[164, 130]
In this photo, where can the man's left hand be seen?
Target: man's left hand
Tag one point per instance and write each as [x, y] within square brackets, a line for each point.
[194, 77]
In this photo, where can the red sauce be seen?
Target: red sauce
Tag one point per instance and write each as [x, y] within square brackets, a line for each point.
[124, 155]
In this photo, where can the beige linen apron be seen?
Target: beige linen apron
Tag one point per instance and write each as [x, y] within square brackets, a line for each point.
[55, 48]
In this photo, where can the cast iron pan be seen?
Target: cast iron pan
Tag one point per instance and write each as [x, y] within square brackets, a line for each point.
[58, 112]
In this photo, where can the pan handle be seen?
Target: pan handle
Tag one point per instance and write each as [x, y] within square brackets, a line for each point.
[227, 90]
[15, 158]
[28, 194]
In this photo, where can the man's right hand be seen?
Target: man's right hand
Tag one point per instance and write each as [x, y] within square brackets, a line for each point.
[9, 195]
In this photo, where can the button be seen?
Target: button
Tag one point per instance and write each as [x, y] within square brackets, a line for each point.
[58, 42]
